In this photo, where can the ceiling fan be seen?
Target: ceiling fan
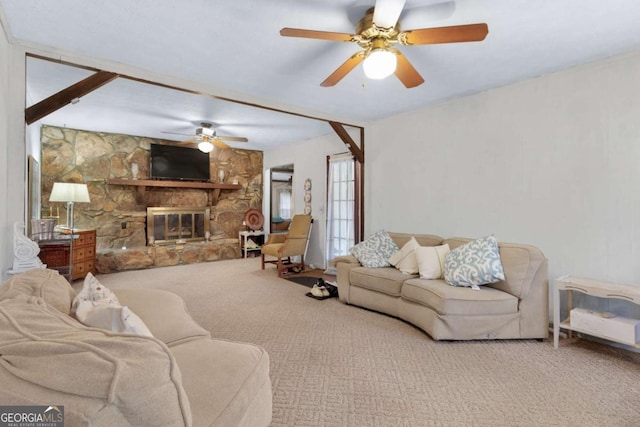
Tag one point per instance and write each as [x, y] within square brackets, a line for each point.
[377, 32]
[206, 138]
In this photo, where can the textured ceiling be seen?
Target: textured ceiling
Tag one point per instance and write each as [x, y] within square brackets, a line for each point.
[236, 46]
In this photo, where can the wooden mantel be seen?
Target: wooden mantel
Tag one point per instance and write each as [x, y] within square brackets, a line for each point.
[142, 185]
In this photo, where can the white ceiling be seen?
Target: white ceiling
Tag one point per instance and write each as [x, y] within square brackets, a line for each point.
[236, 45]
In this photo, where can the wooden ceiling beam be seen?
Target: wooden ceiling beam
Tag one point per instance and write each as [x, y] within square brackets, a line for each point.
[346, 138]
[65, 96]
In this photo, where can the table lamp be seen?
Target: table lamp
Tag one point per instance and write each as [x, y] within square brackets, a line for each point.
[70, 193]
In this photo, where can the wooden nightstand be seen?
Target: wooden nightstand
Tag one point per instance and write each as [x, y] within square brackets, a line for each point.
[84, 253]
[56, 254]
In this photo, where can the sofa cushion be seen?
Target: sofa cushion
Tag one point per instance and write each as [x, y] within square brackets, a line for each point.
[273, 249]
[405, 258]
[223, 379]
[451, 300]
[474, 263]
[41, 282]
[385, 280]
[155, 306]
[430, 260]
[375, 250]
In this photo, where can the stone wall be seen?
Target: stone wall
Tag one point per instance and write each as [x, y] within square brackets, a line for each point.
[118, 212]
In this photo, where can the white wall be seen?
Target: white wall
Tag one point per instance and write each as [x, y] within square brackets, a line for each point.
[12, 147]
[553, 161]
[309, 159]
[5, 241]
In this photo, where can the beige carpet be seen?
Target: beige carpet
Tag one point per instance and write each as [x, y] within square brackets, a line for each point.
[339, 365]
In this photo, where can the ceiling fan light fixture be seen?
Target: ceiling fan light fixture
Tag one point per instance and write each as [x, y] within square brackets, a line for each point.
[205, 146]
[379, 64]
[205, 131]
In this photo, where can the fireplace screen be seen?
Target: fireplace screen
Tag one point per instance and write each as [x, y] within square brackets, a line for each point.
[177, 225]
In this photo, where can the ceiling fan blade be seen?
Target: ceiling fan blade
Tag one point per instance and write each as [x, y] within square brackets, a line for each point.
[344, 69]
[387, 12]
[453, 34]
[405, 72]
[175, 133]
[218, 143]
[233, 138]
[313, 34]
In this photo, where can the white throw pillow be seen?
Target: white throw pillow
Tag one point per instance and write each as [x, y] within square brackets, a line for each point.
[405, 259]
[430, 261]
[98, 307]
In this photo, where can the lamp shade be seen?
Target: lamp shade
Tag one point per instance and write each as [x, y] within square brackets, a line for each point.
[380, 63]
[69, 192]
[205, 146]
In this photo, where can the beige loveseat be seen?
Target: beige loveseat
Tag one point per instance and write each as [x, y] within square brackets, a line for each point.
[179, 377]
[516, 307]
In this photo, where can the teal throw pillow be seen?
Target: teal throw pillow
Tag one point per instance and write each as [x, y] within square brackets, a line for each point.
[475, 263]
[376, 250]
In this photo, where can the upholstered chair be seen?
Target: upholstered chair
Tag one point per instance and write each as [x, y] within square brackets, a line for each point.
[283, 246]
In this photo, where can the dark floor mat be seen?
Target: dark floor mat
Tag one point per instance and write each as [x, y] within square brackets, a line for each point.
[307, 281]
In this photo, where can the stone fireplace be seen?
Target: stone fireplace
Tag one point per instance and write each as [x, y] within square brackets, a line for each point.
[118, 208]
[177, 225]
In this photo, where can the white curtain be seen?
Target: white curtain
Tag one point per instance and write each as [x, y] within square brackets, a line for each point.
[340, 207]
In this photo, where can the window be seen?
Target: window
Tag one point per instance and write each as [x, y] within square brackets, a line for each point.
[284, 204]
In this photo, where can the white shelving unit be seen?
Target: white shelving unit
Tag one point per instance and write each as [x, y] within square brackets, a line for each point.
[597, 288]
[244, 236]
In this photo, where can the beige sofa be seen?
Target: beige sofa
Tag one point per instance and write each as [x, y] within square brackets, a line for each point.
[516, 307]
[179, 377]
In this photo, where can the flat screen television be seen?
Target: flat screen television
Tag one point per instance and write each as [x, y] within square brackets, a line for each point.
[179, 163]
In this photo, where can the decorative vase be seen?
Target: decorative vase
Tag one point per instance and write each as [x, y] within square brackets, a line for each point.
[221, 175]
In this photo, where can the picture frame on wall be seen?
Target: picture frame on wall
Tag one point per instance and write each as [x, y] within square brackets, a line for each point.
[307, 196]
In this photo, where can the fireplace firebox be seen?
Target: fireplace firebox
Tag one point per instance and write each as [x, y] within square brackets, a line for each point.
[177, 225]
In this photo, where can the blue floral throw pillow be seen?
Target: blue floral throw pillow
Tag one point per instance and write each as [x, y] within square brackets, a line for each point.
[376, 250]
[474, 263]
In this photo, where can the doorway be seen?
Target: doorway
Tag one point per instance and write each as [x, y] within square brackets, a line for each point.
[341, 207]
[281, 206]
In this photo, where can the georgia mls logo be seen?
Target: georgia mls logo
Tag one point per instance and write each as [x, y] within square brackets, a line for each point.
[32, 416]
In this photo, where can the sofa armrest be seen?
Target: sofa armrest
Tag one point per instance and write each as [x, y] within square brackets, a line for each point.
[534, 304]
[344, 264]
[164, 313]
[349, 259]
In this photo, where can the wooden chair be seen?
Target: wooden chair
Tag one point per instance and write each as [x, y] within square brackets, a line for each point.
[285, 245]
